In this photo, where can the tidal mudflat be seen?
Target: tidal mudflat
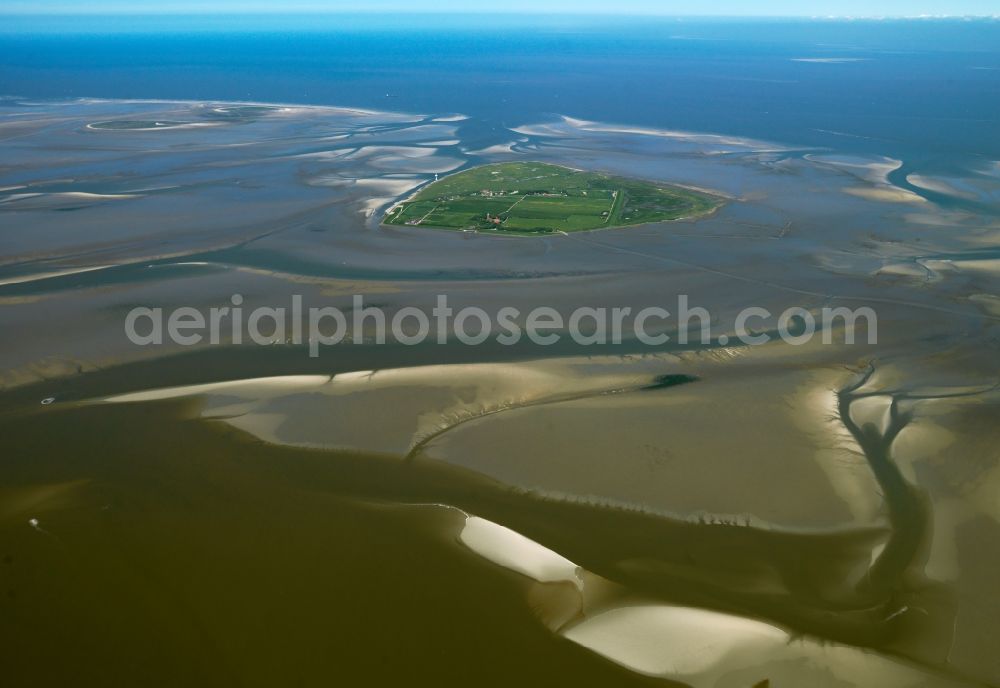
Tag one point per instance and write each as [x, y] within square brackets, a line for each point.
[705, 514]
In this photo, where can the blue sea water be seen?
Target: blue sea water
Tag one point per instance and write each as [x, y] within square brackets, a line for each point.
[926, 91]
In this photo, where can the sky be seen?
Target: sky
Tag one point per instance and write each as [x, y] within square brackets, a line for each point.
[822, 8]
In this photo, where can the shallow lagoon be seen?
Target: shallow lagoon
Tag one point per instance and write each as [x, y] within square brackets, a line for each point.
[382, 511]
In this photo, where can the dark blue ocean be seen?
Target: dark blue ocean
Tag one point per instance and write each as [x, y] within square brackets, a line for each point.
[926, 90]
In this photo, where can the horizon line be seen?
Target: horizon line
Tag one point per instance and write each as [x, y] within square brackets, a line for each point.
[524, 14]
[469, 13]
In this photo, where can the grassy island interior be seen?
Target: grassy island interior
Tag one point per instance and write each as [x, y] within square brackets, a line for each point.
[524, 198]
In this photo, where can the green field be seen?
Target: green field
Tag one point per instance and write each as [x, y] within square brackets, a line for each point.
[527, 198]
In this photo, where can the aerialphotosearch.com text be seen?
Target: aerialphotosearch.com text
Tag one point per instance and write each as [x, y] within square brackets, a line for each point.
[361, 323]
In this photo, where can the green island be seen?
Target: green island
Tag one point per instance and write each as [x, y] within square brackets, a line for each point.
[530, 198]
